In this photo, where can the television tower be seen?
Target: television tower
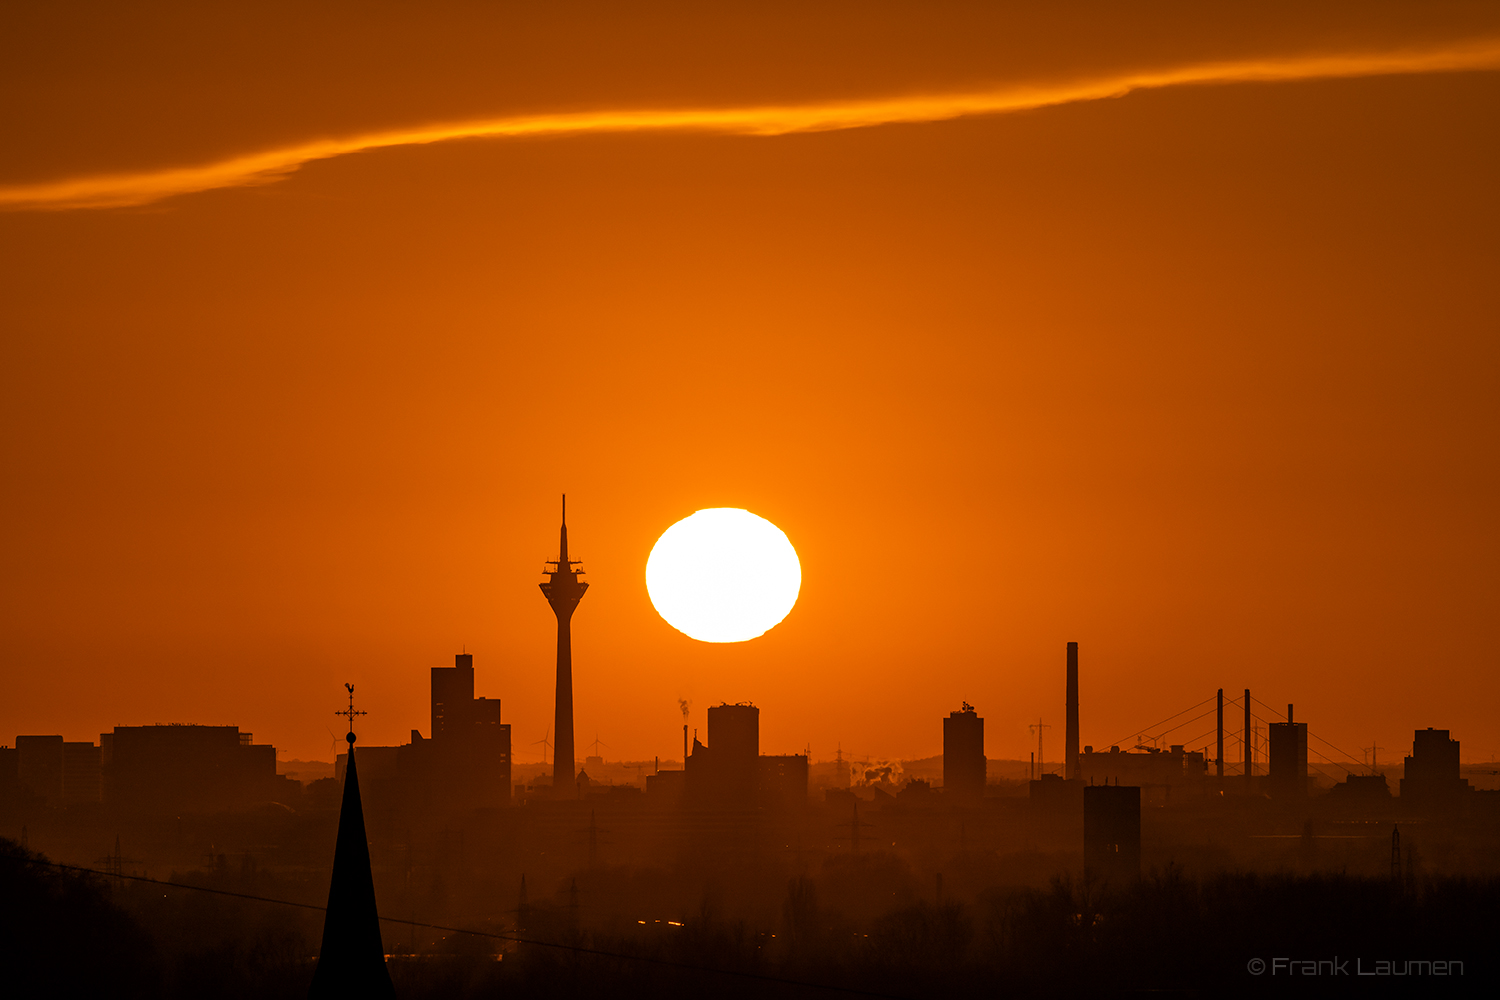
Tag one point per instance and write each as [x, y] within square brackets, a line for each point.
[563, 591]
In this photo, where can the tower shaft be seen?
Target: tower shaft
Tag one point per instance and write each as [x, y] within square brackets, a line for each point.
[563, 764]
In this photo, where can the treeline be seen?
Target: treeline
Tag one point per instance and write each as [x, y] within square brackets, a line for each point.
[65, 933]
[1168, 933]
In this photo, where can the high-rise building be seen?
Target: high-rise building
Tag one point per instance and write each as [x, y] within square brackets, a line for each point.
[81, 773]
[963, 755]
[470, 745]
[39, 766]
[725, 773]
[1286, 775]
[466, 764]
[1111, 833]
[1432, 772]
[731, 773]
[452, 693]
[563, 591]
[10, 776]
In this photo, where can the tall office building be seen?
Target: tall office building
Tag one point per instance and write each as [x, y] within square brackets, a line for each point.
[469, 752]
[963, 755]
[1432, 772]
[725, 773]
[40, 766]
[1111, 833]
[1286, 774]
[731, 774]
[81, 773]
[563, 591]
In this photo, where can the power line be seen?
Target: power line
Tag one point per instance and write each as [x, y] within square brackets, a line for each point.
[1347, 755]
[1187, 722]
[484, 934]
[1169, 718]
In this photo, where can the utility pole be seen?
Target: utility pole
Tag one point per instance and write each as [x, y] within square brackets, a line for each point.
[1037, 728]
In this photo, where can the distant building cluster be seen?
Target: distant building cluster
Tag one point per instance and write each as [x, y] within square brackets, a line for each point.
[161, 768]
[464, 765]
[730, 772]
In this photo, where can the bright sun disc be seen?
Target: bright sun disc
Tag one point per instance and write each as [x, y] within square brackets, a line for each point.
[723, 575]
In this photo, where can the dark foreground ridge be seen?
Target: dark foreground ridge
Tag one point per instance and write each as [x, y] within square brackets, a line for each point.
[75, 931]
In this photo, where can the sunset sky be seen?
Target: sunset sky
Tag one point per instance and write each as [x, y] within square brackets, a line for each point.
[1169, 329]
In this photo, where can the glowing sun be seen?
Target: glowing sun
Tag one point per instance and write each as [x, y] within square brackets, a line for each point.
[723, 575]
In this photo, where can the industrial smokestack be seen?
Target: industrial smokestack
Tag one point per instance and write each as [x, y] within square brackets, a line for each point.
[1249, 740]
[1221, 734]
[1073, 770]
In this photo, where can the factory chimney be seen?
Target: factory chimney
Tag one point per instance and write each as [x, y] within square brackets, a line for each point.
[1072, 770]
[1249, 744]
[1220, 754]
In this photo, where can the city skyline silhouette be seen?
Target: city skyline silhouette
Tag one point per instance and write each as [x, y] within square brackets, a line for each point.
[1208, 388]
[1035, 465]
[1118, 820]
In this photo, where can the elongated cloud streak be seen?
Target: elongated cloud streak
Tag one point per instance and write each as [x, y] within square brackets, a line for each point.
[116, 190]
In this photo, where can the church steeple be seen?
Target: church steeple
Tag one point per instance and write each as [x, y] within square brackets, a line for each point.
[351, 962]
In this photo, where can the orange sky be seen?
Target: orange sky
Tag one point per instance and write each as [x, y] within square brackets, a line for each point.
[1202, 377]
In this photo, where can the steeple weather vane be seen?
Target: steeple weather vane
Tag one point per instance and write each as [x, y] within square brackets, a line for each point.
[350, 713]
